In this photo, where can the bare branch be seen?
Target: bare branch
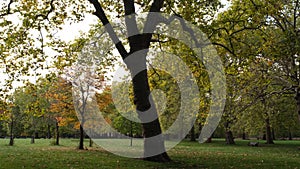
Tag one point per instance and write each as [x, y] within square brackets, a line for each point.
[8, 11]
[225, 47]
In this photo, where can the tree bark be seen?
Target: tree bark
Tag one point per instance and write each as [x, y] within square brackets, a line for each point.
[49, 120]
[57, 133]
[229, 137]
[273, 134]
[34, 131]
[11, 140]
[193, 137]
[91, 142]
[32, 139]
[269, 138]
[48, 131]
[150, 129]
[141, 89]
[228, 134]
[209, 140]
[290, 135]
[81, 140]
[244, 136]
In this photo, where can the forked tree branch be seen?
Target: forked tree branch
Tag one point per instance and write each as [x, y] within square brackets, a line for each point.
[8, 11]
[129, 9]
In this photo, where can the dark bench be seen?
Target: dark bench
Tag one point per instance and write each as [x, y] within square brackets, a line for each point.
[254, 144]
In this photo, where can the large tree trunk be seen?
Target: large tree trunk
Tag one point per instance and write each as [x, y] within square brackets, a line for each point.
[139, 46]
[81, 140]
[139, 75]
[229, 137]
[150, 129]
[228, 133]
[269, 138]
[273, 134]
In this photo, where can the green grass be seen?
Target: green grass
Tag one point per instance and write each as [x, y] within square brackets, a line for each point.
[284, 154]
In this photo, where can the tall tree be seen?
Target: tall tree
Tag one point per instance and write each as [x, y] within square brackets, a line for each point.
[61, 104]
[141, 42]
[265, 29]
[46, 17]
[85, 84]
[141, 88]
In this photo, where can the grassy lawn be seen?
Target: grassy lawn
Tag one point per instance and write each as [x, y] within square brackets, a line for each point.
[284, 154]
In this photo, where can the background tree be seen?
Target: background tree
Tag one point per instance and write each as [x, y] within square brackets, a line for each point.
[61, 104]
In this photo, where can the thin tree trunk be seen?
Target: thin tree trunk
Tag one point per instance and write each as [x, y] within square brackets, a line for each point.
[57, 134]
[269, 138]
[193, 137]
[33, 133]
[244, 136]
[81, 146]
[32, 139]
[264, 137]
[91, 142]
[11, 140]
[131, 134]
[48, 131]
[290, 135]
[200, 127]
[48, 127]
